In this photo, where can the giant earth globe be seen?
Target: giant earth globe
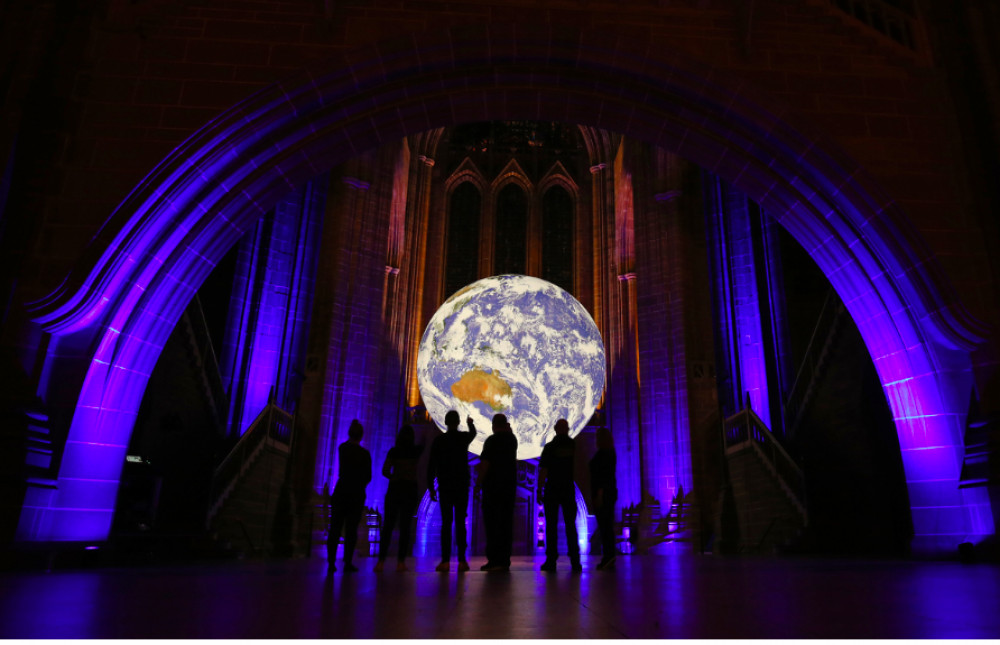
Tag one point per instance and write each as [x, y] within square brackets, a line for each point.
[515, 345]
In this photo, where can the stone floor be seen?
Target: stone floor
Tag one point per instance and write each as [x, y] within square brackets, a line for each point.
[663, 596]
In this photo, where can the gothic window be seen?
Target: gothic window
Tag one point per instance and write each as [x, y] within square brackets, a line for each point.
[557, 237]
[462, 255]
[510, 245]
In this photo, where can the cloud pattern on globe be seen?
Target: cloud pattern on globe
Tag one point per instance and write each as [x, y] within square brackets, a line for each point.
[517, 345]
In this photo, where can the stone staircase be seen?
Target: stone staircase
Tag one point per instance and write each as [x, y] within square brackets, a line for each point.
[251, 510]
[768, 488]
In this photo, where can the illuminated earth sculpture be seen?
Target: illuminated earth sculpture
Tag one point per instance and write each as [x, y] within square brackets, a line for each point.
[516, 345]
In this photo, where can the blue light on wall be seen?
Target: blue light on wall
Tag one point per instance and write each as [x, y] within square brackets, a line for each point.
[739, 301]
[267, 324]
[114, 315]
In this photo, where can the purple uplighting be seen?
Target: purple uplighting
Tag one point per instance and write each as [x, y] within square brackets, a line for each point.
[115, 316]
[264, 348]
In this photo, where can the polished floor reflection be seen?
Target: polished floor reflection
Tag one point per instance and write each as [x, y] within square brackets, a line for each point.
[665, 596]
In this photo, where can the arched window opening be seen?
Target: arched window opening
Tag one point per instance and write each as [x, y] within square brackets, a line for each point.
[510, 245]
[557, 237]
[462, 254]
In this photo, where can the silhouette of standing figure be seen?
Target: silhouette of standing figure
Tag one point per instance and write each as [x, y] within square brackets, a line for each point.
[604, 494]
[400, 468]
[555, 474]
[497, 479]
[348, 499]
[449, 466]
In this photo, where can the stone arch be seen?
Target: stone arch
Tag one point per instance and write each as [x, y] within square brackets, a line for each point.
[558, 176]
[466, 173]
[512, 174]
[164, 239]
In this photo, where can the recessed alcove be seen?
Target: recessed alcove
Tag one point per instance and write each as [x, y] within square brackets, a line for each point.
[677, 267]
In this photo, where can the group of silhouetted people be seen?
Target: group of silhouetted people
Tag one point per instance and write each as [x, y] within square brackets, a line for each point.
[448, 479]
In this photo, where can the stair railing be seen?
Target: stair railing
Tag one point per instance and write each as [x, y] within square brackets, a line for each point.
[745, 429]
[816, 353]
[273, 424]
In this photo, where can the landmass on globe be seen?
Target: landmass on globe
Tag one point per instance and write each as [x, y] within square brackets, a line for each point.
[477, 385]
[517, 345]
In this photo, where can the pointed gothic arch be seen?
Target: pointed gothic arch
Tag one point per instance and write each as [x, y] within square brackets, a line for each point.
[114, 313]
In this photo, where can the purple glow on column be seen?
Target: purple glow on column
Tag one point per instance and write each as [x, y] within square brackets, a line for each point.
[204, 196]
[929, 415]
[264, 347]
[738, 306]
[661, 301]
[747, 329]
[149, 275]
[354, 340]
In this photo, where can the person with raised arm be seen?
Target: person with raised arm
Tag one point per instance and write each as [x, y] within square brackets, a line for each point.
[448, 479]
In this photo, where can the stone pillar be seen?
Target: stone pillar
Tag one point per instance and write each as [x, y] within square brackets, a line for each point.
[743, 356]
[614, 299]
[623, 396]
[391, 396]
[417, 225]
[781, 351]
[665, 277]
[600, 232]
[661, 354]
[356, 274]
[264, 346]
[304, 254]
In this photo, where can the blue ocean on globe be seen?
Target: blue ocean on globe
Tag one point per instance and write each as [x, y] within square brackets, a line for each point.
[517, 345]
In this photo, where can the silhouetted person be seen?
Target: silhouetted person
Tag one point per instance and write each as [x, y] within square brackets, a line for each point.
[604, 494]
[498, 481]
[555, 475]
[400, 468]
[449, 467]
[348, 499]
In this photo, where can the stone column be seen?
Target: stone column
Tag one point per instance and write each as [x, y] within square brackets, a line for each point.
[624, 402]
[743, 365]
[357, 248]
[264, 345]
[784, 367]
[600, 208]
[417, 225]
[391, 396]
[615, 302]
[661, 351]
